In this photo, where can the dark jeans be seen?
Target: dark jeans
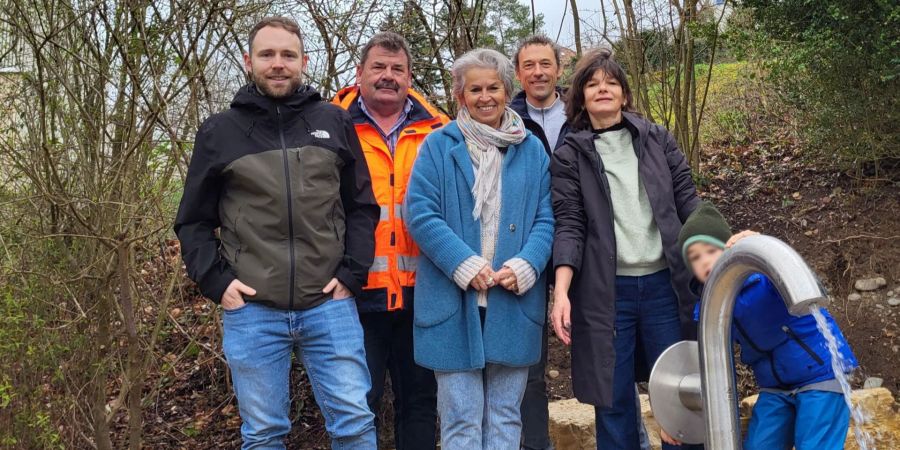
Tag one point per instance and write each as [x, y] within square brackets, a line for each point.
[646, 309]
[389, 348]
[535, 416]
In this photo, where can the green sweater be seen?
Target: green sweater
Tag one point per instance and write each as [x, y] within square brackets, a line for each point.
[638, 243]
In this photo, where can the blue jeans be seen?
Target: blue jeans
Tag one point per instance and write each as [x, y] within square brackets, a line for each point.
[810, 420]
[646, 309]
[479, 409]
[328, 339]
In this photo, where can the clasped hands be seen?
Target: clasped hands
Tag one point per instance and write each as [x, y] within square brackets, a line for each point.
[488, 278]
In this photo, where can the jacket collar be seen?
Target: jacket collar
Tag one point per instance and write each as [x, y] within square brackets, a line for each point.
[248, 97]
[459, 152]
[583, 140]
[421, 110]
[519, 102]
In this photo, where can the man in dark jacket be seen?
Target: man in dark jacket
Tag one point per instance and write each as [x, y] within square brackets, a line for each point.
[282, 177]
[540, 103]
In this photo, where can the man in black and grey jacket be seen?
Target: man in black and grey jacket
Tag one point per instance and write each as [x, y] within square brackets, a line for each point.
[283, 179]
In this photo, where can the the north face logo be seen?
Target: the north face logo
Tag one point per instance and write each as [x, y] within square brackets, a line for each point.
[321, 134]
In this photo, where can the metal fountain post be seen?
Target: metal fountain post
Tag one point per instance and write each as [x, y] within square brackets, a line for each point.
[673, 383]
[796, 283]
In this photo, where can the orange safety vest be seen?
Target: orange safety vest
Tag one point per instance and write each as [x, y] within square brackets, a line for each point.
[394, 269]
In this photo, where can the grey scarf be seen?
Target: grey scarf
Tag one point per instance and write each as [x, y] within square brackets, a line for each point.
[483, 143]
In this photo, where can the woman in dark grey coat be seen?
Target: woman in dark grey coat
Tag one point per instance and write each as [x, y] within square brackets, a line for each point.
[621, 190]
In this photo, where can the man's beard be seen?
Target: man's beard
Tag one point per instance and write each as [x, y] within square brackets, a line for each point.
[264, 87]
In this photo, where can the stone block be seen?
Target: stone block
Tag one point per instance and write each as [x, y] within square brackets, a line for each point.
[572, 423]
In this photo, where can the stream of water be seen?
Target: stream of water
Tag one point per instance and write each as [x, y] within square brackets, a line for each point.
[859, 415]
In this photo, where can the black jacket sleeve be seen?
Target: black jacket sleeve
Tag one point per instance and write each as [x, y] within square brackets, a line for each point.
[361, 211]
[568, 208]
[198, 218]
[686, 199]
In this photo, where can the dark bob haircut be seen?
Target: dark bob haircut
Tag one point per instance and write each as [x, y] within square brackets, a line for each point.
[593, 61]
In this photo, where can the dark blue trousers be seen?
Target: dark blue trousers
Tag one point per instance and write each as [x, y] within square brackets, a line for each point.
[646, 309]
[809, 420]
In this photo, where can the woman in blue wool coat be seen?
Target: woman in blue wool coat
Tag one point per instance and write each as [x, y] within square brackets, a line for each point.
[478, 205]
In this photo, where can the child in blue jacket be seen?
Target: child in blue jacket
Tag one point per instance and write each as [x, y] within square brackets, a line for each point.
[800, 401]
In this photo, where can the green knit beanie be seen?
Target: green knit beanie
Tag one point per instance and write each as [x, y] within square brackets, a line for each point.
[705, 224]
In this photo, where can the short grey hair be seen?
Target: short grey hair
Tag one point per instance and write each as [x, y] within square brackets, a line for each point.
[482, 58]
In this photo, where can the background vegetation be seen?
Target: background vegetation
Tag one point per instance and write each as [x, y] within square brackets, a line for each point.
[103, 341]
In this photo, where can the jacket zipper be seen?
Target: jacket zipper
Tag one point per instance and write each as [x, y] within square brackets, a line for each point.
[543, 136]
[759, 350]
[802, 344]
[290, 207]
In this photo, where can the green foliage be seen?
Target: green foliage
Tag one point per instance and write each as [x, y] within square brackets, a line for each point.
[6, 392]
[508, 22]
[837, 64]
[27, 348]
[726, 115]
[735, 104]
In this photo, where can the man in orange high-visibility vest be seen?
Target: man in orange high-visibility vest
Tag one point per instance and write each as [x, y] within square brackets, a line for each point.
[392, 121]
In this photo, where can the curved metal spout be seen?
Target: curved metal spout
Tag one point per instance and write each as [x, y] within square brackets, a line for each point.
[797, 285]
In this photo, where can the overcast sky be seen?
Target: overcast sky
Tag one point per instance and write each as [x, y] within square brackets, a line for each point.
[553, 15]
[558, 17]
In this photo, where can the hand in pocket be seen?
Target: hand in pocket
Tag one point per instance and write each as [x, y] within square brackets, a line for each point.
[337, 290]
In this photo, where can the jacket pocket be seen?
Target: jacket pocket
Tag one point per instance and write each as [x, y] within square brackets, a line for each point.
[533, 303]
[230, 238]
[800, 360]
[436, 299]
[238, 309]
[802, 345]
[338, 224]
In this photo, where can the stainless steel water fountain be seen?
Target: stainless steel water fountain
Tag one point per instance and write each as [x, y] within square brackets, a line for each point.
[688, 411]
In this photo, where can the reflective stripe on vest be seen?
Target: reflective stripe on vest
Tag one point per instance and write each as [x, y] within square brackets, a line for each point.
[404, 262]
[380, 264]
[385, 212]
[407, 263]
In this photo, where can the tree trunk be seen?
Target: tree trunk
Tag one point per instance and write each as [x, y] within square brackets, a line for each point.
[102, 344]
[634, 50]
[576, 27]
[134, 376]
